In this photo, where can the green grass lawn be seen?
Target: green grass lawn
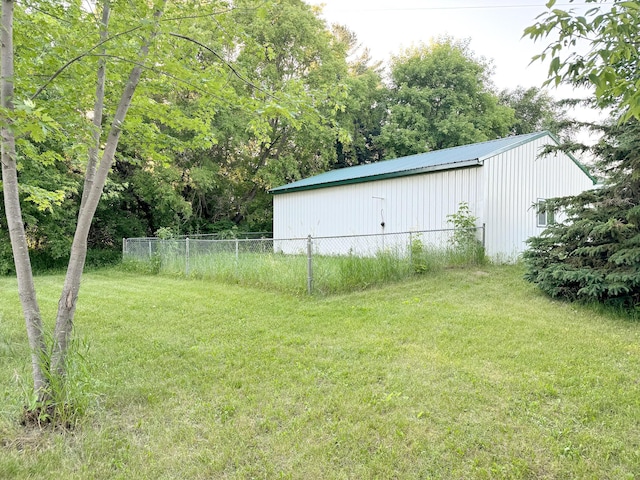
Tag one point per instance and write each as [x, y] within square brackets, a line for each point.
[457, 374]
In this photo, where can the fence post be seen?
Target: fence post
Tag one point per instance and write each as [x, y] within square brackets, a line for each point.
[150, 250]
[484, 233]
[237, 262]
[309, 266]
[410, 250]
[186, 261]
[124, 247]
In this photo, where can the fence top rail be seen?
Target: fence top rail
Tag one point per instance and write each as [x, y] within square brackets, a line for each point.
[184, 239]
[230, 240]
[140, 239]
[227, 240]
[216, 236]
[388, 234]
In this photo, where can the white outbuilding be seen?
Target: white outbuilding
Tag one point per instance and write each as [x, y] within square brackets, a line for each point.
[502, 181]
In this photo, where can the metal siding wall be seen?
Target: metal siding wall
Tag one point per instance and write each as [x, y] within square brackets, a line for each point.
[418, 202]
[515, 180]
[501, 194]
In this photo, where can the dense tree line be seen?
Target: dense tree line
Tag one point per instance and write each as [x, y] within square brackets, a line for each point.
[238, 100]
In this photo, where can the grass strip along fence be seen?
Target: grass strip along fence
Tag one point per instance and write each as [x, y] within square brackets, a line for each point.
[315, 265]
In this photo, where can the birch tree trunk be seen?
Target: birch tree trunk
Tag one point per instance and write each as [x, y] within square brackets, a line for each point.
[98, 107]
[71, 288]
[26, 288]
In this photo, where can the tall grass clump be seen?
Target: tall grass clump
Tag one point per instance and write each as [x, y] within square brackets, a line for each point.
[277, 271]
[466, 255]
[424, 258]
[67, 397]
[334, 274]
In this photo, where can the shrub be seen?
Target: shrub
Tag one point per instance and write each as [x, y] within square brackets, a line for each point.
[466, 248]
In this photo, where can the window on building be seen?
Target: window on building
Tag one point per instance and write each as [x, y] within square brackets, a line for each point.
[545, 215]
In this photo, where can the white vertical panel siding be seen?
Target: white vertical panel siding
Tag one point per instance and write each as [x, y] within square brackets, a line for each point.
[417, 202]
[515, 180]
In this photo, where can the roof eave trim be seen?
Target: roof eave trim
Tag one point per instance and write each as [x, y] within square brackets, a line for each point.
[476, 162]
[514, 145]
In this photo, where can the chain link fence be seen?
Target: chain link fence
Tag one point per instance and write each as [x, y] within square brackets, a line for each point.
[313, 264]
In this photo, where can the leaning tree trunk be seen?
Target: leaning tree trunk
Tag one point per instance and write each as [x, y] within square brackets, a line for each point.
[71, 288]
[13, 211]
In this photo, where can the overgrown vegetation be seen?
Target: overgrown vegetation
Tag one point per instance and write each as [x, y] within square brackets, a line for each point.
[443, 376]
[261, 262]
[289, 273]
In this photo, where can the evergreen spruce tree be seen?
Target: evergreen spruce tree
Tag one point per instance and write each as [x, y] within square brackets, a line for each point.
[594, 254]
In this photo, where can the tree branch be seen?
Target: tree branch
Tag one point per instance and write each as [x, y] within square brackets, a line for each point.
[227, 64]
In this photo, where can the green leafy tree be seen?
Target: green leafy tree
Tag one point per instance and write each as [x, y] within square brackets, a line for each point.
[49, 141]
[45, 364]
[466, 247]
[598, 48]
[535, 110]
[365, 107]
[173, 109]
[441, 97]
[285, 88]
[296, 56]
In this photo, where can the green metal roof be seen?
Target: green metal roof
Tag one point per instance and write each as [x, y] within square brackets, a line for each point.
[446, 159]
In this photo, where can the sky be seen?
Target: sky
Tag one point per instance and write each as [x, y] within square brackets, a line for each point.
[495, 28]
